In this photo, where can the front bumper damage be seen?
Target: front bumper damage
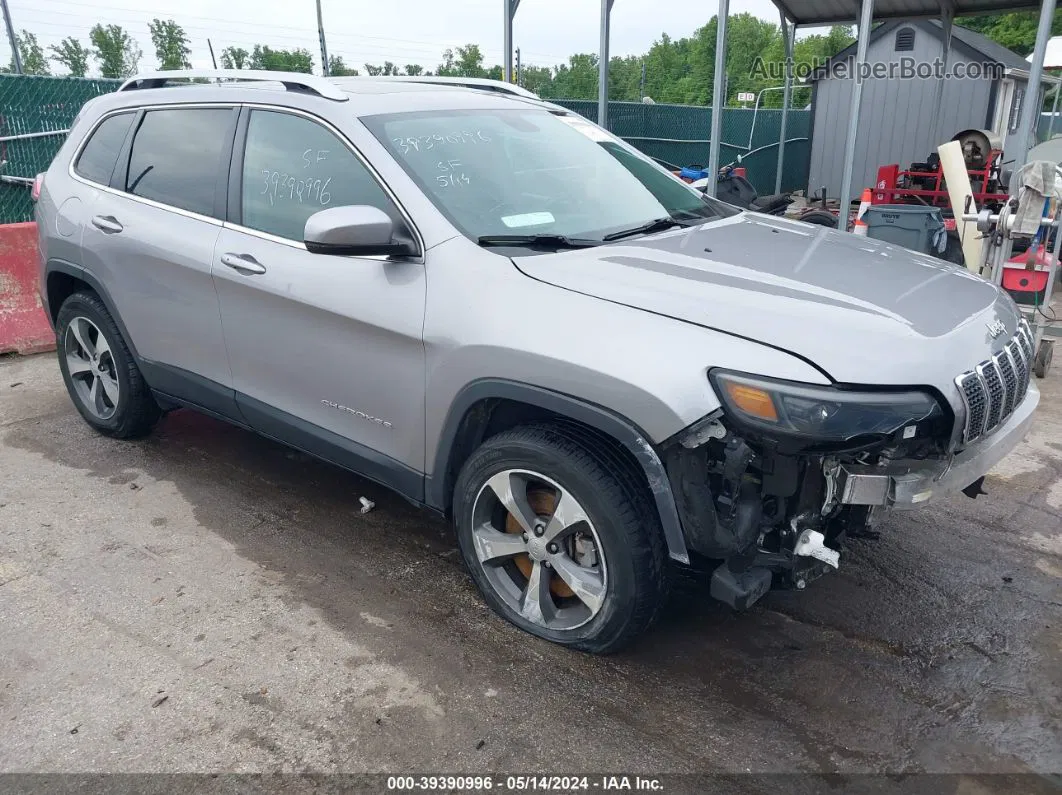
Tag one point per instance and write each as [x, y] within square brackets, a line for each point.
[758, 515]
[907, 485]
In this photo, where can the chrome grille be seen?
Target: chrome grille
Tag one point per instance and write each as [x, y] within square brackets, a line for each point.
[997, 386]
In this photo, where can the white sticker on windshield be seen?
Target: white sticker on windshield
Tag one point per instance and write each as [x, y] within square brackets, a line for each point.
[527, 219]
[591, 131]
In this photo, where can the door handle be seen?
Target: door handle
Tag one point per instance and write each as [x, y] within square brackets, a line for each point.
[107, 224]
[243, 263]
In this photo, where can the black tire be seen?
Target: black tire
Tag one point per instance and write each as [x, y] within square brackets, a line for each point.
[620, 510]
[1042, 360]
[820, 218]
[135, 412]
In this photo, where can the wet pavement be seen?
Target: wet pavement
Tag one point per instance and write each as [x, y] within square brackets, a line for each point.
[204, 600]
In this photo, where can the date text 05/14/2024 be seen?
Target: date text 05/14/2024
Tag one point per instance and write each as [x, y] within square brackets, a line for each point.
[518, 783]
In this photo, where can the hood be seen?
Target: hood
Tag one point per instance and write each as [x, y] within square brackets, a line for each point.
[863, 311]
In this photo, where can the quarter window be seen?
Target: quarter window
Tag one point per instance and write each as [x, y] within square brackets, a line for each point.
[176, 157]
[294, 167]
[97, 159]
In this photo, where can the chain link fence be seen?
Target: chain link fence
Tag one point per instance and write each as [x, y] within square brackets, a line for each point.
[35, 113]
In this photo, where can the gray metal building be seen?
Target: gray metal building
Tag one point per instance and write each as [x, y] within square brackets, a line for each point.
[898, 122]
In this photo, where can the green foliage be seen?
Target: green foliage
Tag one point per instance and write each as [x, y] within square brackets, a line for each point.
[682, 71]
[467, 61]
[72, 54]
[297, 60]
[234, 58]
[338, 68]
[32, 55]
[413, 69]
[387, 69]
[1015, 31]
[115, 51]
[171, 44]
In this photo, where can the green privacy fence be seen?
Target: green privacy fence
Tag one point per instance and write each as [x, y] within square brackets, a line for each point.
[35, 112]
[680, 134]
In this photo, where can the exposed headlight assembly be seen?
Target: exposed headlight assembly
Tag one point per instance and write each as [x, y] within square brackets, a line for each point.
[822, 414]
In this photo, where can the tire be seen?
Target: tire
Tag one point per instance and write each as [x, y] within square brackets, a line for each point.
[819, 218]
[1042, 360]
[616, 555]
[89, 343]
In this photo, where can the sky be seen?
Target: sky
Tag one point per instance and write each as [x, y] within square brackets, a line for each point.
[402, 31]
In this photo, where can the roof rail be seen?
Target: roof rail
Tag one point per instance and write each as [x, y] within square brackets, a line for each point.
[482, 83]
[292, 81]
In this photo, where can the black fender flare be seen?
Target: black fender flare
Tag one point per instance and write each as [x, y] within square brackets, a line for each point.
[617, 427]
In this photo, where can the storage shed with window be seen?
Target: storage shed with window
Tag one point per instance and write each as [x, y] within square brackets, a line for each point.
[899, 122]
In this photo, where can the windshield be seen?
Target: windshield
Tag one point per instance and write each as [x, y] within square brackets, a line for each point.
[510, 174]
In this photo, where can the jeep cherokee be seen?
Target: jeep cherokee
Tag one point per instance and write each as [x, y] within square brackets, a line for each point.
[509, 316]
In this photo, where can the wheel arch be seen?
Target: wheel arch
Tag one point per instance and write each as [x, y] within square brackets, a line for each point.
[488, 406]
[62, 279]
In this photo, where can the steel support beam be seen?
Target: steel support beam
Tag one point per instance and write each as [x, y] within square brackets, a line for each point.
[718, 97]
[789, 31]
[507, 36]
[865, 19]
[602, 64]
[947, 17]
[1030, 113]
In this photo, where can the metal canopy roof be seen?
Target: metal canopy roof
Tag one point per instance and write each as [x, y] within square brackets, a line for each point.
[835, 12]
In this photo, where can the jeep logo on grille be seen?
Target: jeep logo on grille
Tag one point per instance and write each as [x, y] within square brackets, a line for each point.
[995, 328]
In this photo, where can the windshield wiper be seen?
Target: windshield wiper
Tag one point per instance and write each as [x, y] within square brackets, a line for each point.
[550, 241]
[657, 225]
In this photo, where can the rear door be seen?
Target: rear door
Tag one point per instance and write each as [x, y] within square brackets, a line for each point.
[326, 351]
[150, 241]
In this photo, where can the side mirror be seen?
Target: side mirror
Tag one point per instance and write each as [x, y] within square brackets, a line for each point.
[356, 230]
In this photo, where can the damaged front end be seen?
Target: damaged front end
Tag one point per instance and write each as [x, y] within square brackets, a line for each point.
[768, 486]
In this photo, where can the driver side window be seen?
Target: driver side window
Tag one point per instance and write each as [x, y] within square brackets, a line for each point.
[292, 168]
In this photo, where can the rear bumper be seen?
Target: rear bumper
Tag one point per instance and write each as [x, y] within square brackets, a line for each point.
[915, 484]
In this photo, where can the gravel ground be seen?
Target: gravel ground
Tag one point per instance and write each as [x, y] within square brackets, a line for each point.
[207, 601]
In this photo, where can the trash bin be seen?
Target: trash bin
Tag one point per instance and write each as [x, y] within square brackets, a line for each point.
[909, 225]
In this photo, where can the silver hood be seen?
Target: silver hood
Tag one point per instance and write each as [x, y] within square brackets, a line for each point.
[863, 311]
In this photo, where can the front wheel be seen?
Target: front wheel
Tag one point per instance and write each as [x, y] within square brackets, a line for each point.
[558, 541]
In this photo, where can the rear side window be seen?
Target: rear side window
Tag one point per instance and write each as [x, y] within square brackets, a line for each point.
[294, 167]
[97, 159]
[176, 157]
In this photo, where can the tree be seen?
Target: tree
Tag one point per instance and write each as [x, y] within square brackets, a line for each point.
[32, 55]
[413, 69]
[171, 44]
[338, 68]
[466, 62]
[72, 54]
[1015, 31]
[115, 51]
[234, 58]
[297, 60]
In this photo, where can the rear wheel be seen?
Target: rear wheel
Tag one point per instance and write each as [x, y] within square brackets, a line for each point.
[558, 544]
[100, 372]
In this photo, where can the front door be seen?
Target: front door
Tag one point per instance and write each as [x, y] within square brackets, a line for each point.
[326, 351]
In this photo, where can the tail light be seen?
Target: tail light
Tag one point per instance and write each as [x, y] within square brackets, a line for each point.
[38, 184]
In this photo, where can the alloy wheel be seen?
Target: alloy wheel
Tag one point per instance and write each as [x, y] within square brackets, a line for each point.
[539, 550]
[90, 365]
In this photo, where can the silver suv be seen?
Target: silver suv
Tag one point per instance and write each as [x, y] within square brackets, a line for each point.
[513, 318]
